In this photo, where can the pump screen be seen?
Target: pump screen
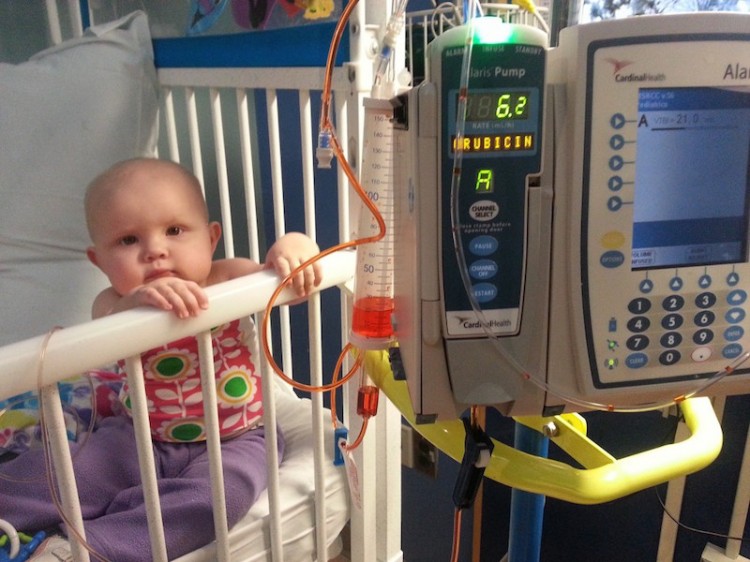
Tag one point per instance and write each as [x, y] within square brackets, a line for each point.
[692, 177]
[500, 105]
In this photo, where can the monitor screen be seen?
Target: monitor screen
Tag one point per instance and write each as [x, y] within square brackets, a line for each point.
[692, 177]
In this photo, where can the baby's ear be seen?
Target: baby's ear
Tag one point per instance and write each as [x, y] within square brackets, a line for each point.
[214, 230]
[91, 255]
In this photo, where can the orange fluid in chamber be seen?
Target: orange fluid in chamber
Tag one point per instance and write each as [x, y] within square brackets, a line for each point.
[371, 317]
[367, 401]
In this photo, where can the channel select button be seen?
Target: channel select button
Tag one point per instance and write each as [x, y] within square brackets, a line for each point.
[612, 259]
[483, 245]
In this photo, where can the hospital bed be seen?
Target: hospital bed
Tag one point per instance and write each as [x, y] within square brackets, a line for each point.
[248, 134]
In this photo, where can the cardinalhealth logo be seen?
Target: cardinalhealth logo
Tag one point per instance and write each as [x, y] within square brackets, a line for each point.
[618, 65]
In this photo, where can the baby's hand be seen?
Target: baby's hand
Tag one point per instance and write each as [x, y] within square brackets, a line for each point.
[288, 253]
[184, 298]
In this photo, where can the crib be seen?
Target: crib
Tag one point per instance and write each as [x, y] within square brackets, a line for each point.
[230, 127]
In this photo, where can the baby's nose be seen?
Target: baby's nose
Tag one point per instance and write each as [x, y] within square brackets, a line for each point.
[155, 249]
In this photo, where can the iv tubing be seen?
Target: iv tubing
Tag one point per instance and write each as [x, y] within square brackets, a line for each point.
[73, 519]
[328, 144]
[390, 38]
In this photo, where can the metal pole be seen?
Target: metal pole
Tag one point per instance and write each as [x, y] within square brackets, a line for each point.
[527, 509]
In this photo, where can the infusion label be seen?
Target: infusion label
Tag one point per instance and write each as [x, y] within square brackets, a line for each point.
[494, 143]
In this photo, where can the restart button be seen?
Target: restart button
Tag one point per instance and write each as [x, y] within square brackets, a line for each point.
[612, 259]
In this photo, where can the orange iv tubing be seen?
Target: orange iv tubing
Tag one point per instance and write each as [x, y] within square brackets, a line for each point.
[329, 146]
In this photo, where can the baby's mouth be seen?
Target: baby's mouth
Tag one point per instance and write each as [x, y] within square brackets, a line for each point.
[158, 274]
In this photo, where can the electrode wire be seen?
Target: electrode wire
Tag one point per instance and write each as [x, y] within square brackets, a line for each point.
[48, 462]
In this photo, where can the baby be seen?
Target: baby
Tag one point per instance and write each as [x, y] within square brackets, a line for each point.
[151, 237]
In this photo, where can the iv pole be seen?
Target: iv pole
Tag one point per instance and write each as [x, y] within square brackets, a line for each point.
[526, 508]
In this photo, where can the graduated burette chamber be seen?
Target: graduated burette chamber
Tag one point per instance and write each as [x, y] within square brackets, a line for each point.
[373, 282]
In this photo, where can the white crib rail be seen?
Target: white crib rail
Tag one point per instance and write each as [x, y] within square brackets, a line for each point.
[87, 346]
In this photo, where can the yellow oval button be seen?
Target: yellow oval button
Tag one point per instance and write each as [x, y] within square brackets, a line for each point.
[613, 239]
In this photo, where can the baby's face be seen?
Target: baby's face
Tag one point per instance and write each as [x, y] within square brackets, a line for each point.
[150, 226]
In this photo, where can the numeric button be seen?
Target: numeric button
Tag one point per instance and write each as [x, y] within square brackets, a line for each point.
[702, 337]
[705, 300]
[705, 318]
[670, 357]
[639, 324]
[673, 303]
[670, 339]
[640, 305]
[637, 343]
[672, 321]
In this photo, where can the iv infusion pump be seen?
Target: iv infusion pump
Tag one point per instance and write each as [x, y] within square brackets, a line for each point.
[595, 199]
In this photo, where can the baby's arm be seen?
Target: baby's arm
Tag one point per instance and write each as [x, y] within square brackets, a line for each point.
[288, 253]
[285, 255]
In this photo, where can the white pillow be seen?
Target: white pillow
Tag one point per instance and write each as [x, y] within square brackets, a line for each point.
[65, 115]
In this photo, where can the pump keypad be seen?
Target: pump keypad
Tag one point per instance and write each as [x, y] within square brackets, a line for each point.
[676, 328]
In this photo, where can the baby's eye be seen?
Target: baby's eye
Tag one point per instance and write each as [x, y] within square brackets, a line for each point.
[174, 230]
[128, 240]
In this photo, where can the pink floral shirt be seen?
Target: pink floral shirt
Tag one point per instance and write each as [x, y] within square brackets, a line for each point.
[173, 389]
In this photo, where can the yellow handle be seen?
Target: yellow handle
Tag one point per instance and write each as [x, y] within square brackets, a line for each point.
[605, 478]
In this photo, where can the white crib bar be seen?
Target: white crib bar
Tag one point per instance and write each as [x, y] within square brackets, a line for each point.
[248, 172]
[271, 444]
[61, 460]
[272, 453]
[53, 22]
[319, 457]
[308, 173]
[194, 137]
[248, 158]
[221, 168]
[146, 463]
[293, 78]
[316, 354]
[169, 119]
[213, 444]
[277, 181]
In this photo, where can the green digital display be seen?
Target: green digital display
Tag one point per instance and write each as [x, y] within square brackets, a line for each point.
[485, 182]
[497, 105]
